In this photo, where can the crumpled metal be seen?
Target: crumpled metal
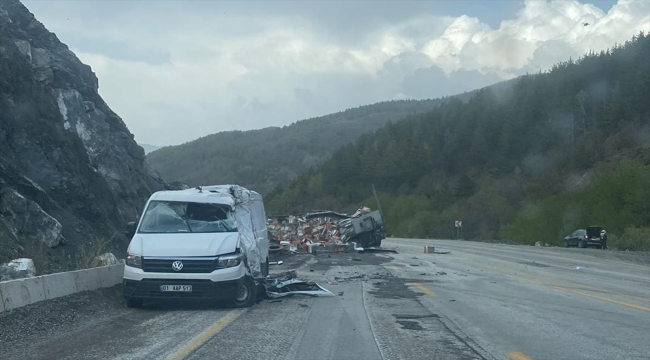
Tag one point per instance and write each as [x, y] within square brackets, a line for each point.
[286, 284]
[245, 212]
[296, 287]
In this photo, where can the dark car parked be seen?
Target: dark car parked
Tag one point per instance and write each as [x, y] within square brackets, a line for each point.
[594, 236]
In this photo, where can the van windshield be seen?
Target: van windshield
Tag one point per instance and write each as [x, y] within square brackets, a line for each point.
[178, 217]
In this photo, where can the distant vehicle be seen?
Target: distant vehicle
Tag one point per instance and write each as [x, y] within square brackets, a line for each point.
[206, 243]
[592, 236]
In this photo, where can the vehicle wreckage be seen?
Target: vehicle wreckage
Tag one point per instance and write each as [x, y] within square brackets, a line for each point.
[328, 229]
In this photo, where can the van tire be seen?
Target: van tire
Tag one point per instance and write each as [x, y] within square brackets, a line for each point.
[246, 293]
[133, 303]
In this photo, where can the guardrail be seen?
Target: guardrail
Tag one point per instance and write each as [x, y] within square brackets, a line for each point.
[21, 292]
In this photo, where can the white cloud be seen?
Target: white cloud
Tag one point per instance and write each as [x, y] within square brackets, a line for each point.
[176, 72]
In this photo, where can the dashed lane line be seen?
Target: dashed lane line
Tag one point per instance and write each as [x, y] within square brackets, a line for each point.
[517, 355]
[206, 335]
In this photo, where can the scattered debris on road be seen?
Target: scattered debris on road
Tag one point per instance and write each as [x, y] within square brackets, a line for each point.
[286, 284]
[378, 250]
[432, 250]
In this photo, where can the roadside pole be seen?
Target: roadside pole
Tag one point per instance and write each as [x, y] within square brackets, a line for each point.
[374, 193]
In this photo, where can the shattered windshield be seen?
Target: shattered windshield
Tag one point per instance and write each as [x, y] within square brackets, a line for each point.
[175, 217]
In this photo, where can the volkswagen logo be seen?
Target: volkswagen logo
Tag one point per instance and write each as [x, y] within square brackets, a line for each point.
[177, 266]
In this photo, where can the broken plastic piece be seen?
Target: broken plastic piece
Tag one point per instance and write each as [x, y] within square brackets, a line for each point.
[286, 284]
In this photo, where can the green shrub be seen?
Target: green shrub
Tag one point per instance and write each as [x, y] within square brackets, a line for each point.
[617, 201]
[634, 238]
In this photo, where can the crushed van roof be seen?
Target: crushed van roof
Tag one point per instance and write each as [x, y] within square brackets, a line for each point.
[214, 194]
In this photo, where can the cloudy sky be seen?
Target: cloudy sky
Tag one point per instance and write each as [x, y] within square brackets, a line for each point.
[176, 71]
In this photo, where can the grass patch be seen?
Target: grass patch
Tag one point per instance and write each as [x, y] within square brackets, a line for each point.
[37, 251]
[87, 253]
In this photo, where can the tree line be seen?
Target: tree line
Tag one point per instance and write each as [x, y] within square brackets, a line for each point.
[531, 161]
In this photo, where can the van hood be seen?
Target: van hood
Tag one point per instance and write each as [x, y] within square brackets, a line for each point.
[184, 244]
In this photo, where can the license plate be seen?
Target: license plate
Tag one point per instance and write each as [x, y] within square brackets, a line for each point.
[181, 288]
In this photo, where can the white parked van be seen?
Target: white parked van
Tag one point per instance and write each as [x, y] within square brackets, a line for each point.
[208, 243]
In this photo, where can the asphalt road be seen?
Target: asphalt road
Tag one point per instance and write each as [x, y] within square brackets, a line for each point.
[478, 301]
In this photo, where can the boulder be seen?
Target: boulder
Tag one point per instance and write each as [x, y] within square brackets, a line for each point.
[17, 269]
[538, 244]
[106, 259]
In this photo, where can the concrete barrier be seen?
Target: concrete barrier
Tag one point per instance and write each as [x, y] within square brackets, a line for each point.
[110, 275]
[21, 292]
[86, 280]
[57, 285]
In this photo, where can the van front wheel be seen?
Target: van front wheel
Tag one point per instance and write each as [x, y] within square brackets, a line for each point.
[246, 293]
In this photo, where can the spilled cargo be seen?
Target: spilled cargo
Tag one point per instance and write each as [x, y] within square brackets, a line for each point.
[327, 230]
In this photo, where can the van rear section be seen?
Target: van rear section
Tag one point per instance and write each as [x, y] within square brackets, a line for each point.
[207, 243]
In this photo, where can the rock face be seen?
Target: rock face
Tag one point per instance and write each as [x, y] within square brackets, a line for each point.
[27, 218]
[70, 169]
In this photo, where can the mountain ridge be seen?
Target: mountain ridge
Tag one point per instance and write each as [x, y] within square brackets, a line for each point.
[278, 153]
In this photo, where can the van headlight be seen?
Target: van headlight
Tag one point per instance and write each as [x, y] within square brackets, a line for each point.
[134, 260]
[227, 261]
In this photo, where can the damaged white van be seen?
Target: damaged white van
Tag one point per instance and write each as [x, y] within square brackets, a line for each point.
[205, 243]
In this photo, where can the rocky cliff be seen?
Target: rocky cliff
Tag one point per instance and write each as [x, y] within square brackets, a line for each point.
[70, 170]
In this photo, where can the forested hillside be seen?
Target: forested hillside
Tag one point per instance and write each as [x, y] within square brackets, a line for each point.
[261, 159]
[560, 150]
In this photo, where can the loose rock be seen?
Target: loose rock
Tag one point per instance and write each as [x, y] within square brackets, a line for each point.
[17, 269]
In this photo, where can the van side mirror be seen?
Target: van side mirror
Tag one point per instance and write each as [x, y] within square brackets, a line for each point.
[129, 230]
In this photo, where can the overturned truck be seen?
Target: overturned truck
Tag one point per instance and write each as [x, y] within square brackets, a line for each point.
[365, 227]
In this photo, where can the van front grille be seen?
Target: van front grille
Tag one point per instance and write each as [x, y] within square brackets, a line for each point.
[189, 266]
